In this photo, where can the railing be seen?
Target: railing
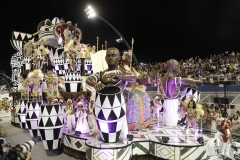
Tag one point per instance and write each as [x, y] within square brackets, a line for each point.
[233, 80]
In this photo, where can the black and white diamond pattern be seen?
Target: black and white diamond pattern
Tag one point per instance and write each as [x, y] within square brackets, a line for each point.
[58, 61]
[22, 110]
[140, 148]
[23, 102]
[32, 117]
[188, 92]
[110, 130]
[110, 137]
[22, 121]
[51, 125]
[109, 106]
[67, 141]
[50, 110]
[33, 128]
[51, 121]
[22, 114]
[33, 105]
[78, 144]
[75, 143]
[72, 76]
[51, 137]
[21, 36]
[110, 113]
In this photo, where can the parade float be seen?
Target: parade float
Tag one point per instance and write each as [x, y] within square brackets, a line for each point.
[52, 64]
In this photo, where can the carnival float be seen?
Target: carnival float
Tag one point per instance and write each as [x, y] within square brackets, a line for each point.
[49, 73]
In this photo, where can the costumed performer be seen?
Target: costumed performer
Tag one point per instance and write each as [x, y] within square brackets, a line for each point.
[70, 114]
[82, 124]
[157, 106]
[227, 136]
[192, 111]
[171, 84]
[113, 76]
[91, 119]
[137, 100]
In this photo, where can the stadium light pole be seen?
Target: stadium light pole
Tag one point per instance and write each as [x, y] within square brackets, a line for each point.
[91, 13]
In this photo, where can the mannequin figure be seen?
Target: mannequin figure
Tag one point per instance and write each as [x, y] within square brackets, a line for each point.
[171, 84]
[113, 76]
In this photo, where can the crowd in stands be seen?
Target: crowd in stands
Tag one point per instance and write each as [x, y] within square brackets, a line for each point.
[218, 67]
[216, 114]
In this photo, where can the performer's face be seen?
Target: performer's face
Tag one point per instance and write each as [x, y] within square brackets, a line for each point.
[80, 107]
[127, 57]
[112, 56]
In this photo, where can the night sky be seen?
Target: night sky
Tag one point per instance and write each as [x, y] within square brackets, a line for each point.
[161, 29]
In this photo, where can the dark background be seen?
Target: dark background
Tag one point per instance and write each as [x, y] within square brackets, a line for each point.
[161, 29]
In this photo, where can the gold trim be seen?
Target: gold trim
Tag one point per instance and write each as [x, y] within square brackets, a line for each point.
[189, 153]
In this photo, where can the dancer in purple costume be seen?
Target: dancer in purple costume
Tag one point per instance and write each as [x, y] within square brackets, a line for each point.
[137, 100]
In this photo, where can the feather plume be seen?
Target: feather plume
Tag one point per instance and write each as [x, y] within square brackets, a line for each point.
[70, 43]
[38, 73]
[44, 50]
[37, 52]
[30, 74]
[199, 110]
[42, 41]
[183, 110]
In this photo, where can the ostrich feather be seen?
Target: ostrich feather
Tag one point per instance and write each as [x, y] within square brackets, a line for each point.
[37, 52]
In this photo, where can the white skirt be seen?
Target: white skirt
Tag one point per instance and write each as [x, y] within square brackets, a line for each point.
[170, 112]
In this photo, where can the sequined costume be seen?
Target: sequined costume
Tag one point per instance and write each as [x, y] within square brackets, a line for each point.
[138, 105]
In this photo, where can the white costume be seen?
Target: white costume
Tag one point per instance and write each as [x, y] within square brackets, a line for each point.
[71, 121]
[157, 107]
[82, 124]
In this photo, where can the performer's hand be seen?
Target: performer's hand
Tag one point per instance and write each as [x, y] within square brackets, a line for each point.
[98, 86]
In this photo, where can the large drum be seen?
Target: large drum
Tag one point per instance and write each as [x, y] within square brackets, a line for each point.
[188, 92]
[32, 117]
[22, 113]
[51, 125]
[110, 113]
[73, 82]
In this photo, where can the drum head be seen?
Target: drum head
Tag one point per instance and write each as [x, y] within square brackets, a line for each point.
[110, 90]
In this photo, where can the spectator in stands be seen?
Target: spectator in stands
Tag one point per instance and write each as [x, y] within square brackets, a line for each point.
[219, 120]
[235, 123]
